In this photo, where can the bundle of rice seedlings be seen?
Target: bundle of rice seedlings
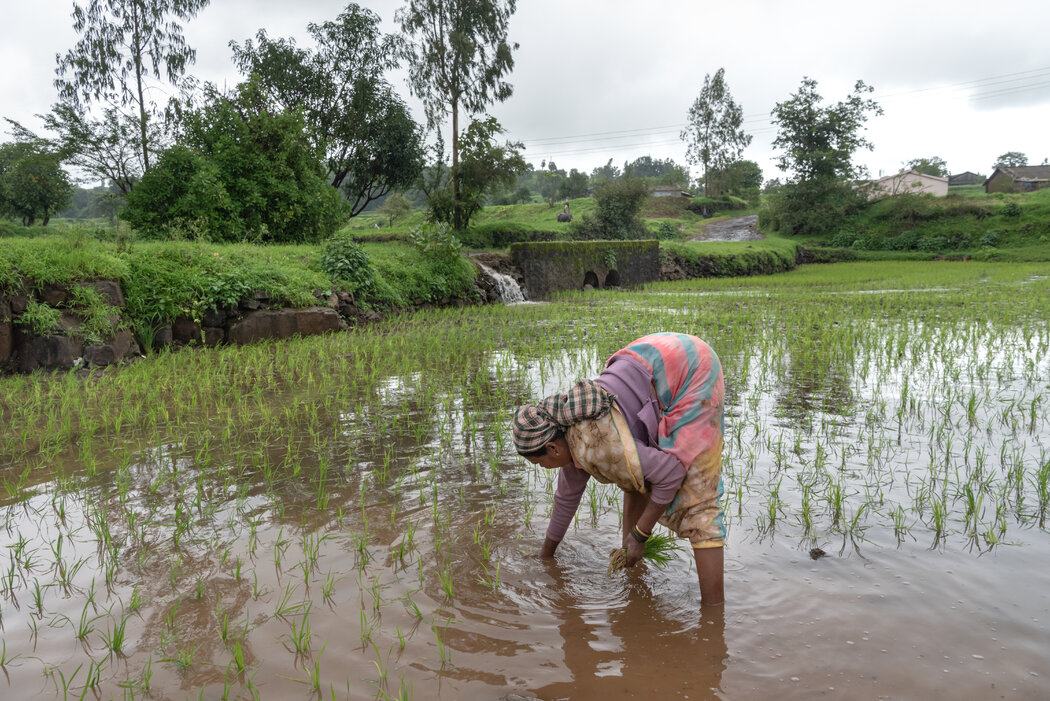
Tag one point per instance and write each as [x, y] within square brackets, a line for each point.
[659, 552]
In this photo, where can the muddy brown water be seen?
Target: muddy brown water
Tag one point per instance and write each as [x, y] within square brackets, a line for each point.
[391, 588]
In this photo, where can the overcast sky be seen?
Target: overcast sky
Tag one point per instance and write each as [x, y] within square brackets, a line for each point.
[600, 79]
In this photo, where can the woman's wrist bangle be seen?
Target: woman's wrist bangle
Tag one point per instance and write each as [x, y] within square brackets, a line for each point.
[639, 535]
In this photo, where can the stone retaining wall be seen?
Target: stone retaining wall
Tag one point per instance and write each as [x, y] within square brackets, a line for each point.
[552, 266]
[252, 320]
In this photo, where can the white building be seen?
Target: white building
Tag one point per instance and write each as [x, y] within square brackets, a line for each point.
[910, 181]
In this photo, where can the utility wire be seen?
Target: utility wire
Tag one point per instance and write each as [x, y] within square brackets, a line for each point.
[981, 89]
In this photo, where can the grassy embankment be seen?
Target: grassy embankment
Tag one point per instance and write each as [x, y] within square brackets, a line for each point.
[966, 224]
[163, 281]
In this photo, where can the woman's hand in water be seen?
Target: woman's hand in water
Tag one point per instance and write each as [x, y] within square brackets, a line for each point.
[635, 551]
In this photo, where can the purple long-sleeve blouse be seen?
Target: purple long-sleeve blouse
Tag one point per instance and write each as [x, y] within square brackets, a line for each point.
[631, 384]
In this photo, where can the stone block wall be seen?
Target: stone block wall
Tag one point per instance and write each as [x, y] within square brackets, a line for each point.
[553, 266]
[252, 320]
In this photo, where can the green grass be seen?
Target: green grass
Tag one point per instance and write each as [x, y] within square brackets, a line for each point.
[1008, 227]
[163, 281]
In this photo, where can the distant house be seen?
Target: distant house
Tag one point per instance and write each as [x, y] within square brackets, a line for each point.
[966, 178]
[1018, 179]
[669, 191]
[910, 181]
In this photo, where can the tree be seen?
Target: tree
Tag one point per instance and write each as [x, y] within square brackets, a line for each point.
[617, 204]
[576, 184]
[1010, 159]
[123, 43]
[741, 179]
[485, 167]
[713, 135]
[659, 171]
[930, 166]
[551, 177]
[457, 55]
[32, 182]
[395, 206]
[102, 149]
[242, 171]
[818, 143]
[605, 173]
[371, 143]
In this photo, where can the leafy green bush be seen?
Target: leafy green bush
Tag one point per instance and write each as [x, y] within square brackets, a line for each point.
[932, 244]
[905, 241]
[436, 240]
[183, 196]
[503, 234]
[843, 239]
[958, 239]
[666, 231]
[617, 204]
[986, 254]
[242, 173]
[906, 208]
[1011, 209]
[990, 239]
[813, 207]
[343, 259]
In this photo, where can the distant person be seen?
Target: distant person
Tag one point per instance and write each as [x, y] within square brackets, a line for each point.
[565, 215]
[651, 423]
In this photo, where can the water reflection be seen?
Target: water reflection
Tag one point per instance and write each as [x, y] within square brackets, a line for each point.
[628, 646]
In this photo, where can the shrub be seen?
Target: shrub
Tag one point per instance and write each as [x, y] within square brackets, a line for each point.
[990, 239]
[986, 254]
[958, 239]
[932, 244]
[1011, 209]
[813, 207]
[436, 241]
[907, 208]
[666, 231]
[843, 239]
[618, 203]
[503, 234]
[905, 241]
[344, 260]
[242, 172]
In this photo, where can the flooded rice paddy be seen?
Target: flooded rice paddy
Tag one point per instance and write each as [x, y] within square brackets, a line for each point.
[345, 517]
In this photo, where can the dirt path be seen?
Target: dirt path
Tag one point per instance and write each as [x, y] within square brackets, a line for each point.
[734, 229]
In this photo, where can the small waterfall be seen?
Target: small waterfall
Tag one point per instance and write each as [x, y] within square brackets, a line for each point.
[509, 292]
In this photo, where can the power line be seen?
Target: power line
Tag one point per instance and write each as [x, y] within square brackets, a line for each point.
[981, 88]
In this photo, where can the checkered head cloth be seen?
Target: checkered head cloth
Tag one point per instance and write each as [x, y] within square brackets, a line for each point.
[535, 425]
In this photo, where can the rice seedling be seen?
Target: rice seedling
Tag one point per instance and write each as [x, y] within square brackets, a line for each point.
[660, 551]
[115, 637]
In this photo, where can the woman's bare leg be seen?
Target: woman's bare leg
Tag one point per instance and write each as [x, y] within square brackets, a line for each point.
[710, 564]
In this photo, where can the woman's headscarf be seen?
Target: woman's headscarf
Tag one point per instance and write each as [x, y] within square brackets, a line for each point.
[535, 425]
